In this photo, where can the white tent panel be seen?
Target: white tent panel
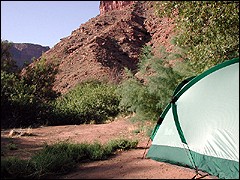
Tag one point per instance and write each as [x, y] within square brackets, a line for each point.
[167, 134]
[208, 113]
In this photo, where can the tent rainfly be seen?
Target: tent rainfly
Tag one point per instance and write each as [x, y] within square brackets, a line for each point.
[199, 128]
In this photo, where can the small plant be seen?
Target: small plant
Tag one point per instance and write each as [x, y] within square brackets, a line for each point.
[12, 146]
[149, 130]
[144, 128]
[97, 151]
[122, 144]
[136, 131]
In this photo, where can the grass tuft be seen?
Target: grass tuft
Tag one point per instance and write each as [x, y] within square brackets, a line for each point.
[61, 157]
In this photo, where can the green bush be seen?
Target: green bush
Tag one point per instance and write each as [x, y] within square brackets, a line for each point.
[89, 101]
[207, 30]
[147, 97]
[25, 99]
[7, 62]
[41, 76]
[18, 106]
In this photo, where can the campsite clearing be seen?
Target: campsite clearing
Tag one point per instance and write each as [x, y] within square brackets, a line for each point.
[124, 165]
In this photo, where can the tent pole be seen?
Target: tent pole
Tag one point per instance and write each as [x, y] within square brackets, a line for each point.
[144, 153]
[195, 167]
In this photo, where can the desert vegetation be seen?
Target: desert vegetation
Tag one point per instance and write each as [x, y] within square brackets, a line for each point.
[60, 157]
[208, 34]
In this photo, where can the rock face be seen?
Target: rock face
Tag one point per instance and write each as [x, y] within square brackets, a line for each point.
[105, 45]
[25, 52]
[106, 6]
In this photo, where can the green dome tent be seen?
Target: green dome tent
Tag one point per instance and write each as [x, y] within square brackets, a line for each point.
[199, 128]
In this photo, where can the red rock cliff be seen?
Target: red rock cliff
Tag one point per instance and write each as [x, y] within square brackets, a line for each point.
[105, 45]
[106, 6]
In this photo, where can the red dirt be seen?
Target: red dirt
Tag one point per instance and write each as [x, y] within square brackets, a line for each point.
[123, 165]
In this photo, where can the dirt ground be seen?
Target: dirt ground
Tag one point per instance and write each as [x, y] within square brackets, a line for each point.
[124, 165]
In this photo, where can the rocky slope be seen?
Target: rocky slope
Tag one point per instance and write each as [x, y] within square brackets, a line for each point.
[25, 52]
[106, 6]
[103, 46]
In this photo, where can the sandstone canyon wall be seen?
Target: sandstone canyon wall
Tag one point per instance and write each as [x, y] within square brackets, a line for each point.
[106, 44]
[106, 6]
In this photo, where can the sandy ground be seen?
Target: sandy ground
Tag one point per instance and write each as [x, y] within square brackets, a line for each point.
[124, 165]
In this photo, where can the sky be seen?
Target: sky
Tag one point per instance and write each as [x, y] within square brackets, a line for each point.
[44, 22]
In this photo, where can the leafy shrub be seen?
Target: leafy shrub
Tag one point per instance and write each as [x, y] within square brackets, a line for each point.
[18, 105]
[89, 101]
[41, 76]
[147, 97]
[207, 30]
[25, 99]
[7, 62]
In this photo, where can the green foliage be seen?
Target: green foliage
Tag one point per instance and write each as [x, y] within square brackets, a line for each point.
[97, 151]
[24, 99]
[145, 55]
[7, 62]
[47, 163]
[207, 30]
[12, 146]
[12, 168]
[207, 34]
[89, 101]
[24, 104]
[16, 101]
[130, 90]
[121, 144]
[144, 127]
[41, 77]
[14, 89]
[148, 98]
[60, 158]
[136, 98]
[19, 106]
